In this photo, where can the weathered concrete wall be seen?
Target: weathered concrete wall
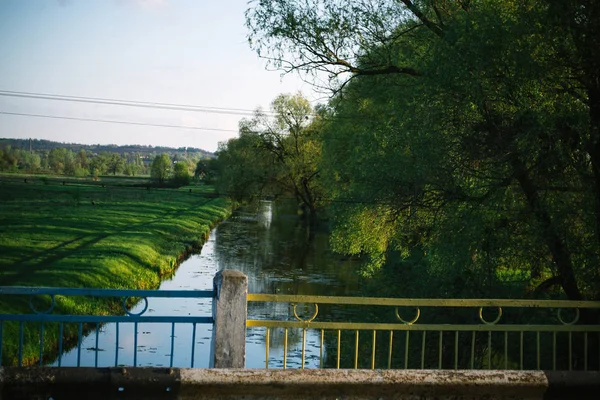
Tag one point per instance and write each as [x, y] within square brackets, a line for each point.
[152, 383]
[229, 312]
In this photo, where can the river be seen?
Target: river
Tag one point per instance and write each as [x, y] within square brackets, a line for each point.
[274, 249]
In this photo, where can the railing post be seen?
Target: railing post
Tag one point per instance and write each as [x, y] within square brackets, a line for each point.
[229, 312]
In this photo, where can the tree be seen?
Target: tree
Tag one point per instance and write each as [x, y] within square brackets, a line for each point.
[115, 163]
[293, 143]
[276, 154]
[81, 159]
[98, 165]
[489, 113]
[181, 175]
[330, 37]
[202, 168]
[207, 170]
[8, 160]
[69, 163]
[161, 168]
[56, 160]
[131, 169]
[244, 168]
[133, 164]
[30, 162]
[61, 161]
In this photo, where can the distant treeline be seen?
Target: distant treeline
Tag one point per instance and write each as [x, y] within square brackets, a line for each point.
[47, 145]
[43, 156]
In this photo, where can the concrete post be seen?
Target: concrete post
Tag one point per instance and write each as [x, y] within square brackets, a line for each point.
[229, 312]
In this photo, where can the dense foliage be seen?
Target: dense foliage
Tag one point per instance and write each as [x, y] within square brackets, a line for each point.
[461, 134]
[275, 155]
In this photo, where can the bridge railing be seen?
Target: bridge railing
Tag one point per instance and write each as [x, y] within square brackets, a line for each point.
[22, 333]
[432, 333]
[340, 332]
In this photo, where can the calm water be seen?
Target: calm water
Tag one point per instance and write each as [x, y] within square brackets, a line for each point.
[275, 250]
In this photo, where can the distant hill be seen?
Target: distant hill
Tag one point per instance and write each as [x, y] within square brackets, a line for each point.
[47, 145]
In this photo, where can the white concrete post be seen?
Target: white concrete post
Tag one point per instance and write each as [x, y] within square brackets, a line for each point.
[229, 313]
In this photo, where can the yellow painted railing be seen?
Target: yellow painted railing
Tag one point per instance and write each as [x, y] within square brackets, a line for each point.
[440, 333]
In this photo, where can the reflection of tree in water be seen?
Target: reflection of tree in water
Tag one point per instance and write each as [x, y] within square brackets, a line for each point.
[281, 254]
[283, 312]
[294, 347]
[283, 257]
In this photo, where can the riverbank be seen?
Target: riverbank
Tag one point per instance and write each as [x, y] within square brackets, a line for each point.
[114, 233]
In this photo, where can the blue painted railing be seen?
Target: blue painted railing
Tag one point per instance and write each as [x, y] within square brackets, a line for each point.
[45, 316]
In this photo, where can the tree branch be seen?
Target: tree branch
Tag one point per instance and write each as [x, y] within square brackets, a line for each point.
[438, 14]
[426, 21]
[465, 4]
[390, 69]
[546, 285]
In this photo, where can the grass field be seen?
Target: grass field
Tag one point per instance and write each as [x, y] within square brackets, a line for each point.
[112, 233]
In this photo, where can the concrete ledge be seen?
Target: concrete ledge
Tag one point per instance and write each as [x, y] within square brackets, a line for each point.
[175, 383]
[366, 384]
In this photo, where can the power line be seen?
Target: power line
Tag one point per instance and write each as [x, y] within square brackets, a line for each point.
[109, 121]
[130, 103]
[154, 105]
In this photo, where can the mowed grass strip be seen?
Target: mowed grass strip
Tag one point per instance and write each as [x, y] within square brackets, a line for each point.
[83, 233]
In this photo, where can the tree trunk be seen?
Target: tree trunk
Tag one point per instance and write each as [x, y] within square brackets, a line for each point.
[556, 246]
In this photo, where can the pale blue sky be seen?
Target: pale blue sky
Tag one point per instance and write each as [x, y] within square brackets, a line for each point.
[169, 51]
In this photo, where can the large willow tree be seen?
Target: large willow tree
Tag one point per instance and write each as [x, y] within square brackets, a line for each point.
[466, 130]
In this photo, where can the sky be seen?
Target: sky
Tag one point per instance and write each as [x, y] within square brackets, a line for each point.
[185, 52]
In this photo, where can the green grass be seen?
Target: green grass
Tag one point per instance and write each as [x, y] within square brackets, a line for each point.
[111, 233]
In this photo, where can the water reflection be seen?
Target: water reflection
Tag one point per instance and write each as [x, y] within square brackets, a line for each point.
[265, 214]
[279, 253]
[282, 255]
